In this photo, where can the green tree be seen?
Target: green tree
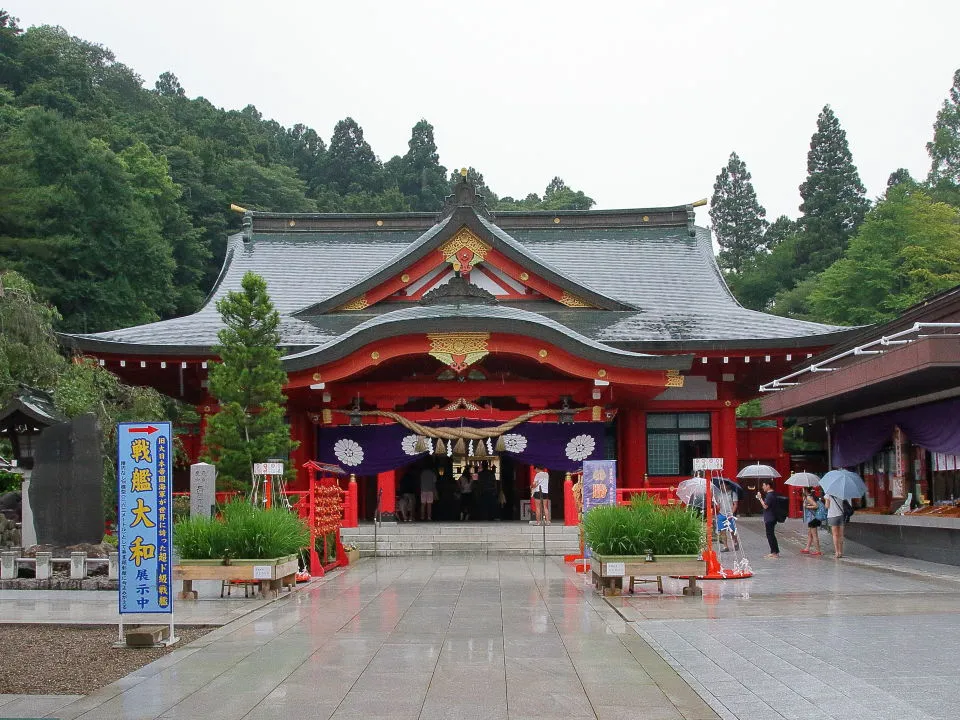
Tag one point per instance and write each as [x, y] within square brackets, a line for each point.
[248, 383]
[834, 199]
[907, 249]
[944, 149]
[28, 348]
[738, 218]
[418, 174]
[350, 164]
[85, 387]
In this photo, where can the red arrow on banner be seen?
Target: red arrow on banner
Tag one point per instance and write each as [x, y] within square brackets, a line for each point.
[149, 430]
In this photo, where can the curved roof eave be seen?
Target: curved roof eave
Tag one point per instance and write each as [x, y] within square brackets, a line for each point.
[421, 320]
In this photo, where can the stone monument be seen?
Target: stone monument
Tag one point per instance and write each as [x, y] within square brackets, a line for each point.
[203, 488]
[66, 487]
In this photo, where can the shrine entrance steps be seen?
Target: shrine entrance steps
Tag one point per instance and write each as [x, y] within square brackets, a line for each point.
[433, 538]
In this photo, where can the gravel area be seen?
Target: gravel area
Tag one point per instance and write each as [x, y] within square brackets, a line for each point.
[72, 659]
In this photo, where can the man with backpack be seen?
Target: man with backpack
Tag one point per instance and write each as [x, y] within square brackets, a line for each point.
[768, 498]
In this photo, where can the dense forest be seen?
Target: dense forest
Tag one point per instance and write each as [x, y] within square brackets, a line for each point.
[115, 197]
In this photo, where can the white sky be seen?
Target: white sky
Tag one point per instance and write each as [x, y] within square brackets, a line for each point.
[636, 103]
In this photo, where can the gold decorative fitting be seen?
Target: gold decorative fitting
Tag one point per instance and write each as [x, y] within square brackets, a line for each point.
[405, 278]
[464, 250]
[556, 221]
[601, 373]
[379, 223]
[357, 303]
[316, 376]
[674, 379]
[646, 218]
[327, 416]
[375, 355]
[727, 403]
[458, 350]
[206, 408]
[596, 413]
[524, 276]
[542, 353]
[292, 223]
[571, 300]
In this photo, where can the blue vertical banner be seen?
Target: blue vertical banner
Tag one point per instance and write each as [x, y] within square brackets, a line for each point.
[599, 488]
[599, 483]
[144, 512]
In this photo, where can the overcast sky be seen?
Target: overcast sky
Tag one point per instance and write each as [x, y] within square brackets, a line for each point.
[638, 104]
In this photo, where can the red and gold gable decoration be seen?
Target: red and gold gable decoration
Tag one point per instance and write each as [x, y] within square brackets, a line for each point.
[464, 250]
[458, 350]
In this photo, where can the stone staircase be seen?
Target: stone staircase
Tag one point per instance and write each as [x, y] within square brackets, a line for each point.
[431, 538]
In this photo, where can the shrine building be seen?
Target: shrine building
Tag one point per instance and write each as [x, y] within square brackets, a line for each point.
[514, 339]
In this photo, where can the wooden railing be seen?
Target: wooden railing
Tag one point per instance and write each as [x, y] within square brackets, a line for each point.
[663, 495]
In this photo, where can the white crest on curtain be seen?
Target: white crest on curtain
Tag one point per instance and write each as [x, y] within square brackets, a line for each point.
[515, 442]
[348, 452]
[581, 447]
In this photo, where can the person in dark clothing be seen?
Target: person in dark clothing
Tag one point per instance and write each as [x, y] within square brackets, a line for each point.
[768, 499]
[486, 487]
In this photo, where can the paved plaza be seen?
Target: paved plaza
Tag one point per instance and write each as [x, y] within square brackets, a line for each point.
[869, 636]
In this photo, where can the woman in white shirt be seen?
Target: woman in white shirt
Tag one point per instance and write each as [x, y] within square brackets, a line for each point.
[835, 522]
[540, 491]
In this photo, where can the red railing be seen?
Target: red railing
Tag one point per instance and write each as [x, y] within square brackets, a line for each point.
[663, 495]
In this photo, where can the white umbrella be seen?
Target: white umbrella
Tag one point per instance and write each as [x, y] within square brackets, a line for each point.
[695, 489]
[843, 484]
[803, 479]
[764, 472]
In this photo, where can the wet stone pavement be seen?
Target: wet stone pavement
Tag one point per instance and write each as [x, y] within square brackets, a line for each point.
[868, 636]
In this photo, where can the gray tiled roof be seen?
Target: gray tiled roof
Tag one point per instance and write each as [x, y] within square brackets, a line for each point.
[668, 274]
[469, 317]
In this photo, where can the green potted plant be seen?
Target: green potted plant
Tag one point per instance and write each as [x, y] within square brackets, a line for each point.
[243, 543]
[643, 539]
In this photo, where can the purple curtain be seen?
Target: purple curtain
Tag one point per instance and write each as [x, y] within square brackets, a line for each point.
[934, 426]
[371, 449]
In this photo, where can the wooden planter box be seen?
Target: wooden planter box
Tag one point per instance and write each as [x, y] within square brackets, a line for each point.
[608, 571]
[271, 574]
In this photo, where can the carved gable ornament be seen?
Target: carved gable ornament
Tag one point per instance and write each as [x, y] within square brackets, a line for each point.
[458, 350]
[464, 250]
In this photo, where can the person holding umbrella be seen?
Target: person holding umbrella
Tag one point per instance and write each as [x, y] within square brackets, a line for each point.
[835, 522]
[768, 499]
[811, 508]
[839, 485]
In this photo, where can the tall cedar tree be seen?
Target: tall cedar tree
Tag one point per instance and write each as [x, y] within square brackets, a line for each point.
[834, 199]
[944, 150]
[738, 219]
[248, 384]
[421, 177]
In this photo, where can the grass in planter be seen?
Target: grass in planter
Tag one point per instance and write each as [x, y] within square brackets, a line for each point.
[643, 525]
[242, 531]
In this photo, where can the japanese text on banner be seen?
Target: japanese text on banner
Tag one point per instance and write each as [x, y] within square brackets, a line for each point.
[143, 517]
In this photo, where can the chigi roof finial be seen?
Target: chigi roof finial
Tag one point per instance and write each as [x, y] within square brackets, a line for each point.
[465, 195]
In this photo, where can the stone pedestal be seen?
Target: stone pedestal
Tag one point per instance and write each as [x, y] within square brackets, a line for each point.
[78, 565]
[113, 567]
[8, 565]
[203, 489]
[44, 566]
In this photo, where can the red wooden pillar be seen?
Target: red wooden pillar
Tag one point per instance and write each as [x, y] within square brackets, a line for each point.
[350, 504]
[302, 431]
[633, 463]
[569, 502]
[728, 439]
[387, 486]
